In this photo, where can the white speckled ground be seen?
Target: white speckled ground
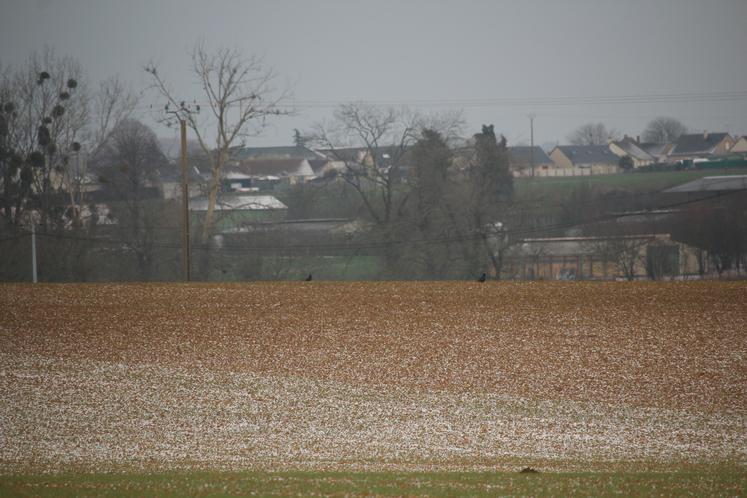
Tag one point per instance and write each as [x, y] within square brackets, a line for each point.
[371, 389]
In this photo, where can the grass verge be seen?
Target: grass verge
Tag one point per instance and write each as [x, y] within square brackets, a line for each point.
[714, 482]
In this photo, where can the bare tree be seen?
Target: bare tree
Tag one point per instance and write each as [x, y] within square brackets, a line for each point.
[373, 166]
[458, 217]
[127, 163]
[663, 129]
[379, 138]
[719, 230]
[625, 251]
[374, 149]
[662, 260]
[110, 106]
[45, 110]
[593, 134]
[428, 212]
[372, 144]
[238, 96]
[51, 119]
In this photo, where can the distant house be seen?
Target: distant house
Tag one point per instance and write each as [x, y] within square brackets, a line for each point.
[326, 169]
[265, 173]
[659, 151]
[522, 157]
[346, 154]
[383, 158]
[701, 146]
[279, 152]
[585, 159]
[320, 166]
[628, 147]
[171, 181]
[264, 167]
[740, 146]
[235, 210]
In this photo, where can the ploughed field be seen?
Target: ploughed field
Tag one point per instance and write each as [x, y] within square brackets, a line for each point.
[372, 376]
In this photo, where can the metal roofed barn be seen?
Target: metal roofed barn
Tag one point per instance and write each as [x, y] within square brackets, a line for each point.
[712, 184]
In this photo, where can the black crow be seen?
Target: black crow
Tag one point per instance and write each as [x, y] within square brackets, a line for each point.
[308, 279]
[483, 277]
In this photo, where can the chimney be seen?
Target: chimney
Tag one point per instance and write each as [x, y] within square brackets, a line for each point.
[638, 139]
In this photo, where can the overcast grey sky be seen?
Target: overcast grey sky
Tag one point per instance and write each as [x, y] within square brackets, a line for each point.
[409, 51]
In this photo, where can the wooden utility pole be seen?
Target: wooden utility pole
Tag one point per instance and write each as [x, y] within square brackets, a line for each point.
[179, 113]
[33, 251]
[186, 260]
[531, 148]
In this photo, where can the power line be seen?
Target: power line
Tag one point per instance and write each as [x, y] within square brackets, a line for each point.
[651, 98]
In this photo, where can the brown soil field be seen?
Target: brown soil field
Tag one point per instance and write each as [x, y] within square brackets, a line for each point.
[447, 375]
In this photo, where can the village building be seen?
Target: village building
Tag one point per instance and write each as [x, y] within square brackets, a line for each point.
[695, 146]
[265, 173]
[579, 160]
[627, 147]
[236, 210]
[275, 152]
[602, 258]
[740, 145]
[659, 151]
[526, 160]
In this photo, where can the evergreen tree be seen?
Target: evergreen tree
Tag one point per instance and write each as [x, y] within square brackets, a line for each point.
[491, 177]
[431, 159]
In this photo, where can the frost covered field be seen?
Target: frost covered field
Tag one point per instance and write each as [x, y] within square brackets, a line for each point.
[372, 376]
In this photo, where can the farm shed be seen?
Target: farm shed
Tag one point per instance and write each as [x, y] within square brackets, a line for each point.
[586, 258]
[711, 184]
[232, 211]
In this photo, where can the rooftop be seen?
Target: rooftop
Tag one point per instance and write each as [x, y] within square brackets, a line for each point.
[697, 143]
[656, 149]
[712, 184]
[522, 154]
[239, 203]
[279, 152]
[634, 150]
[588, 154]
[278, 167]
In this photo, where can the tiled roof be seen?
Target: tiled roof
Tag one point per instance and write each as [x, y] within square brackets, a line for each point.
[317, 165]
[634, 150]
[281, 152]
[656, 149]
[232, 202]
[385, 155]
[280, 168]
[589, 154]
[522, 155]
[697, 143]
[712, 184]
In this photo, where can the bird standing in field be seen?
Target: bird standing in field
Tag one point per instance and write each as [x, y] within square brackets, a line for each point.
[483, 277]
[308, 279]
